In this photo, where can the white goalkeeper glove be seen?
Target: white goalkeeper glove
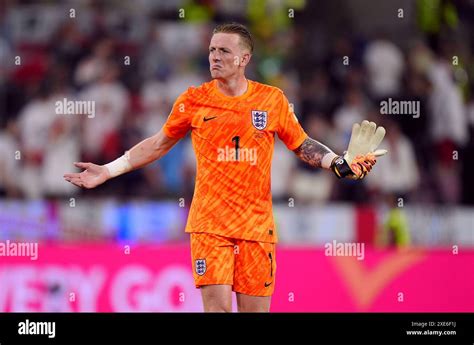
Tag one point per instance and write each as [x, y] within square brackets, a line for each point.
[361, 154]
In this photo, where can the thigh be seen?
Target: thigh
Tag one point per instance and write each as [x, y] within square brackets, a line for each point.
[255, 269]
[213, 259]
[217, 298]
[252, 304]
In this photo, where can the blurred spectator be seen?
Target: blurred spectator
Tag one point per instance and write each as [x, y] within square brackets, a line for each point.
[317, 95]
[397, 172]
[418, 89]
[111, 99]
[352, 110]
[446, 106]
[448, 130]
[467, 161]
[416, 128]
[35, 121]
[394, 232]
[385, 63]
[341, 60]
[61, 150]
[156, 104]
[9, 164]
[69, 47]
[156, 62]
[6, 56]
[420, 58]
[91, 68]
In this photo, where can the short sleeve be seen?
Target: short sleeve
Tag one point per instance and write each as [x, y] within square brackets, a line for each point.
[180, 117]
[289, 129]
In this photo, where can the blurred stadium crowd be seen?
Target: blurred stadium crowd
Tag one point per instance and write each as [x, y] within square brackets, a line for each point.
[134, 58]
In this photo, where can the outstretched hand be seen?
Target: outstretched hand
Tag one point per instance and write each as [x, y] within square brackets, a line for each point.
[362, 153]
[91, 177]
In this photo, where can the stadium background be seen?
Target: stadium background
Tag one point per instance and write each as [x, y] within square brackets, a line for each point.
[122, 246]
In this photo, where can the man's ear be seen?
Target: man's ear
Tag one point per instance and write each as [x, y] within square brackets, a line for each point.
[245, 59]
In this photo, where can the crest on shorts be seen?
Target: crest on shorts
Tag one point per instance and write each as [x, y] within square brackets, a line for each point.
[200, 266]
[259, 119]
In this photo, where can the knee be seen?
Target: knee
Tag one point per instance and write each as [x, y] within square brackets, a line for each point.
[217, 304]
[218, 308]
[217, 298]
[253, 308]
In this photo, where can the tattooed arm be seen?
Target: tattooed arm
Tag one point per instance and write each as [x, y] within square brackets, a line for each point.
[356, 162]
[315, 154]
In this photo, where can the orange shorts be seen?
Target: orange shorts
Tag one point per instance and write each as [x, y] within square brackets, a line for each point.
[248, 266]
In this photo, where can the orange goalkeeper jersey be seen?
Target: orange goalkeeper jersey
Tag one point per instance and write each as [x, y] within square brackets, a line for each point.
[233, 140]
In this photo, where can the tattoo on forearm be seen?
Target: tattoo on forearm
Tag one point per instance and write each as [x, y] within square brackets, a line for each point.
[312, 152]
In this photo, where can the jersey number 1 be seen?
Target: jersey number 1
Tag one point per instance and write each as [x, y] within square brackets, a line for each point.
[237, 140]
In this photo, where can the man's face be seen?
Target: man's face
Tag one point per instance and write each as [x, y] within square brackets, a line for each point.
[226, 55]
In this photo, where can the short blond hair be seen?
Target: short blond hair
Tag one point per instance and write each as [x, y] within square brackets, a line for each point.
[239, 29]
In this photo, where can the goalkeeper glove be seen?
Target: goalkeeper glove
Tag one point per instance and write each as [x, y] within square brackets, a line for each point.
[360, 156]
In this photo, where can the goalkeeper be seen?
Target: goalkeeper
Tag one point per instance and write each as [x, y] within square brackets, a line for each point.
[231, 223]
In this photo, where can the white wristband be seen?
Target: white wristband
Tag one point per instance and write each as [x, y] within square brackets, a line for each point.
[119, 166]
[327, 160]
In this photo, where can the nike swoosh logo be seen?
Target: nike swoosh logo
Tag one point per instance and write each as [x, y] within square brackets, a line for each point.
[268, 284]
[209, 118]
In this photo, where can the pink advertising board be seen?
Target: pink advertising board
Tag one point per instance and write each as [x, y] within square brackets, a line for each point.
[105, 278]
